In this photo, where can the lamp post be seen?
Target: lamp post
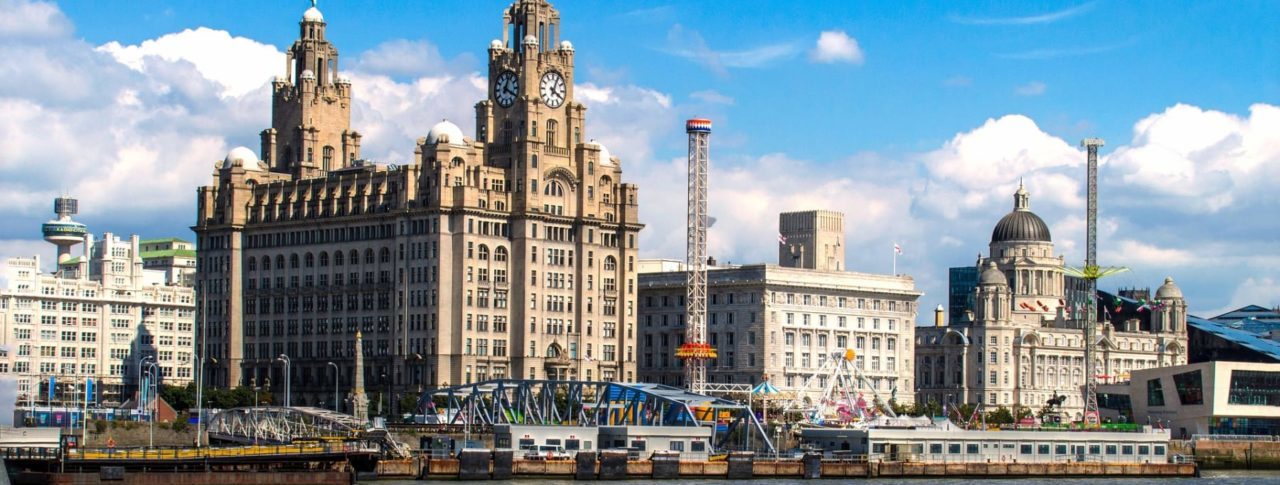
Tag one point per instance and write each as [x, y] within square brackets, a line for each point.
[380, 396]
[141, 363]
[287, 377]
[335, 387]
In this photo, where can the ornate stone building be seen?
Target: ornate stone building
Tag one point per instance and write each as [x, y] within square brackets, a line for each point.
[507, 254]
[784, 322]
[1022, 346]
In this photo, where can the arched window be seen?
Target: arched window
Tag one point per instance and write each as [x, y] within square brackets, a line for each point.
[337, 258]
[533, 161]
[553, 351]
[308, 261]
[266, 263]
[324, 259]
[368, 256]
[610, 264]
[551, 133]
[500, 254]
[484, 252]
[591, 168]
[384, 256]
[553, 188]
[353, 256]
[293, 260]
[279, 261]
[458, 161]
[253, 264]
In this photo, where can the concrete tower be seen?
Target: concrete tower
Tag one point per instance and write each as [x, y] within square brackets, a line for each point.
[63, 232]
[814, 240]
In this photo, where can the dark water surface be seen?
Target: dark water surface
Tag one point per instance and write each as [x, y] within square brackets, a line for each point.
[1214, 477]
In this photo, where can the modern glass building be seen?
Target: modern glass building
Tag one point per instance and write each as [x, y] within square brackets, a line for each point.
[1213, 398]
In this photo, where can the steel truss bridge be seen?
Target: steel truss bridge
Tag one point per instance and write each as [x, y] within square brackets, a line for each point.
[284, 425]
[590, 403]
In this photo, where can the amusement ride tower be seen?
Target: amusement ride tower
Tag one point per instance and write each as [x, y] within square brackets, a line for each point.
[696, 351]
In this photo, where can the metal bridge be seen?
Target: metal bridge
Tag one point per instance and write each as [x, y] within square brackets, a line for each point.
[283, 425]
[589, 403]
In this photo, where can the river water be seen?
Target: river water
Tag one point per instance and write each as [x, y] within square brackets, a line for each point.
[1214, 477]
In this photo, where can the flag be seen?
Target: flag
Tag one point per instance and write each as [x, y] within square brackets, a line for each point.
[88, 391]
[53, 386]
[897, 249]
[782, 239]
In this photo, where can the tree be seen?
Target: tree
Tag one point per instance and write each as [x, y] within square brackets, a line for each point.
[1000, 415]
[181, 398]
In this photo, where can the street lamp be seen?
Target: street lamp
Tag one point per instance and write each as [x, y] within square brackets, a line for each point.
[335, 387]
[141, 363]
[287, 377]
[200, 374]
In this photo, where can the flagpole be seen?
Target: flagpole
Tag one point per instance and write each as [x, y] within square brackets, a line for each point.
[895, 260]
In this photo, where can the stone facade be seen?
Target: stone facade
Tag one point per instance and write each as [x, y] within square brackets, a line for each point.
[814, 240]
[784, 323]
[1023, 346]
[510, 254]
[98, 317]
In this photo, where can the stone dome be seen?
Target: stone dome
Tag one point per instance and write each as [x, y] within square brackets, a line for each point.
[242, 157]
[530, 40]
[992, 276]
[312, 15]
[566, 45]
[445, 132]
[308, 74]
[495, 44]
[1168, 290]
[1021, 224]
[606, 158]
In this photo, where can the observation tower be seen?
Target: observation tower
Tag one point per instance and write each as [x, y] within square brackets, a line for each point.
[64, 232]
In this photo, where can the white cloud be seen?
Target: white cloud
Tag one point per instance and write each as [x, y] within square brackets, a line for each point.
[689, 44]
[32, 20]
[1262, 290]
[836, 46]
[999, 152]
[1033, 88]
[1043, 18]
[711, 96]
[1203, 160]
[238, 64]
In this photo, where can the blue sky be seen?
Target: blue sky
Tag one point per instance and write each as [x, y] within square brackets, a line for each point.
[917, 119]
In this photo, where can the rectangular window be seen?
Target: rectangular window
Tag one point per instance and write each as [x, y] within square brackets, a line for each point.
[1189, 387]
[1254, 388]
[1155, 393]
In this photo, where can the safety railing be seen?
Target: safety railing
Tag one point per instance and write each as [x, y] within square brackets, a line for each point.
[90, 454]
[1234, 437]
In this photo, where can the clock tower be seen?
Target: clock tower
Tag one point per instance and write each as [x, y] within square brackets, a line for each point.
[530, 121]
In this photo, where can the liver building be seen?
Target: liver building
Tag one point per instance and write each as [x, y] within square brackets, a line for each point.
[507, 254]
[1022, 345]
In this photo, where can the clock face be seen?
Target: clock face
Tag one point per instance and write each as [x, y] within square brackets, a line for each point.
[553, 89]
[505, 90]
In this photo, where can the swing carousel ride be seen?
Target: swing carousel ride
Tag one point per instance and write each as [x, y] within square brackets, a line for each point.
[841, 388]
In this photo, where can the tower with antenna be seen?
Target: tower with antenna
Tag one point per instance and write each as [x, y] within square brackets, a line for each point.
[696, 351]
[64, 232]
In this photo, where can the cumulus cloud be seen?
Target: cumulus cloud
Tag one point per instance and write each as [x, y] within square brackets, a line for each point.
[32, 20]
[836, 46]
[1033, 88]
[239, 65]
[1203, 160]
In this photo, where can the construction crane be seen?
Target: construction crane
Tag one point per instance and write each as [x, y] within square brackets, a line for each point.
[695, 351]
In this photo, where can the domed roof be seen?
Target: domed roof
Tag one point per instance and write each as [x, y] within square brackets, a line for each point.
[566, 45]
[1168, 290]
[1021, 224]
[308, 74]
[530, 40]
[606, 158]
[312, 15]
[991, 275]
[495, 44]
[445, 132]
[242, 157]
